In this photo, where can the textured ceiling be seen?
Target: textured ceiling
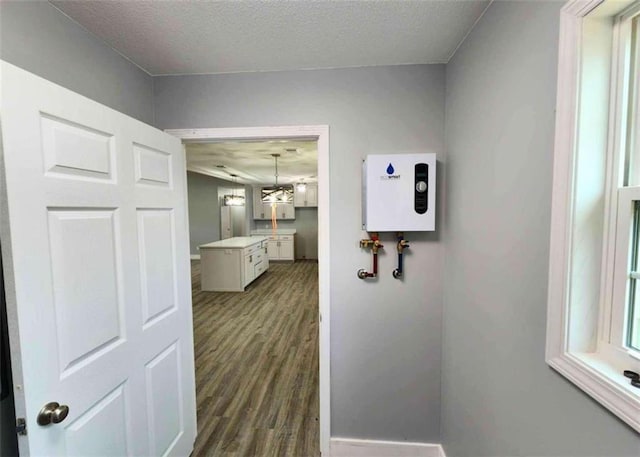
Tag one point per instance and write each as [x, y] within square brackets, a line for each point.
[253, 163]
[190, 37]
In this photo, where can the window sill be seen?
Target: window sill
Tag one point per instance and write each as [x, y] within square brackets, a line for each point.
[603, 381]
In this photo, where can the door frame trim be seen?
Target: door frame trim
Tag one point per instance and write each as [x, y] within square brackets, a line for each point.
[321, 134]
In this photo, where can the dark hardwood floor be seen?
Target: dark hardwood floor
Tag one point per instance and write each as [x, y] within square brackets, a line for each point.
[256, 357]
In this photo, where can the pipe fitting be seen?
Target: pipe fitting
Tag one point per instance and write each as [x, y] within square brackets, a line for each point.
[400, 246]
[375, 245]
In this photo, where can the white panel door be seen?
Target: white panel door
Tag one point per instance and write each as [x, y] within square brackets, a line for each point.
[95, 250]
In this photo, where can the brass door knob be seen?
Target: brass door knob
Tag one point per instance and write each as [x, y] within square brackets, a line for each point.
[52, 412]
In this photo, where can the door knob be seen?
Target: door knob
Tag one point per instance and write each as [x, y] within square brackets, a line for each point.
[52, 412]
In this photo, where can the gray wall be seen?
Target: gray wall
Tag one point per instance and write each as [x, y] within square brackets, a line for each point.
[385, 334]
[39, 38]
[204, 208]
[499, 397]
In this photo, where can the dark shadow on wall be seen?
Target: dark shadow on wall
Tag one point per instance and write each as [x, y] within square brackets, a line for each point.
[8, 438]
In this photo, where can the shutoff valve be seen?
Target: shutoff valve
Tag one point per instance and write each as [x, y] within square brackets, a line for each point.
[401, 246]
[375, 245]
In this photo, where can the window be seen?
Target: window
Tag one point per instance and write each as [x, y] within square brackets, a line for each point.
[624, 274]
[593, 332]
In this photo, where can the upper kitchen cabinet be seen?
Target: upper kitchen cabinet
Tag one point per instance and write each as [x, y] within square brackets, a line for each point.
[260, 210]
[305, 195]
[285, 210]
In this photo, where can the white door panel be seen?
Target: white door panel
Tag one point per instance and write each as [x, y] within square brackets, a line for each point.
[95, 252]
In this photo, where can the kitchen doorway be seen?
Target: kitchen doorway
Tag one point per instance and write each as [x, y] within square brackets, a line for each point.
[211, 400]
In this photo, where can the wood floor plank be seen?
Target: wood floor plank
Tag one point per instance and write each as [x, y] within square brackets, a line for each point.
[256, 356]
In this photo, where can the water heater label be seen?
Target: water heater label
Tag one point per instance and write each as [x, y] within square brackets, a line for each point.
[390, 174]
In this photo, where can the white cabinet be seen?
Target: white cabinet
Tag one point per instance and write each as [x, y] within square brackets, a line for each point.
[260, 210]
[230, 265]
[307, 196]
[256, 261]
[281, 247]
[249, 273]
[284, 211]
[286, 248]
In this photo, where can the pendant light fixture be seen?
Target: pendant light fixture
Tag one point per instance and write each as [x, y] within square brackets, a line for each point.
[274, 217]
[274, 195]
[233, 199]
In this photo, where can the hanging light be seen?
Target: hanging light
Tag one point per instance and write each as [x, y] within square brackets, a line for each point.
[275, 156]
[233, 199]
[277, 188]
[301, 187]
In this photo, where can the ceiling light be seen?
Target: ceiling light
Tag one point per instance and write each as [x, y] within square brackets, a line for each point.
[301, 187]
[233, 199]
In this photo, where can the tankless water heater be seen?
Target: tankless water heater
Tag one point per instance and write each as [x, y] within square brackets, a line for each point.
[399, 193]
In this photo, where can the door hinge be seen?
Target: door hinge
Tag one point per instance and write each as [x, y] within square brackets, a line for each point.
[21, 426]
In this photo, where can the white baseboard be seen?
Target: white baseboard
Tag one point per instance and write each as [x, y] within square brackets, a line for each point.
[346, 447]
[195, 256]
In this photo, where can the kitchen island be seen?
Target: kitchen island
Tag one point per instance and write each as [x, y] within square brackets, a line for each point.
[230, 265]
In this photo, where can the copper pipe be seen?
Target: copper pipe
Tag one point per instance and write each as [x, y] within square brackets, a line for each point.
[375, 245]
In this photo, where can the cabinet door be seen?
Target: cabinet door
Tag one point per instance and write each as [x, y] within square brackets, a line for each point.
[306, 197]
[291, 212]
[299, 196]
[249, 272]
[258, 210]
[261, 210]
[267, 210]
[286, 211]
[312, 195]
[272, 248]
[286, 249]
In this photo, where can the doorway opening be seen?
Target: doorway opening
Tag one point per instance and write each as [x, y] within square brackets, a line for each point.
[262, 355]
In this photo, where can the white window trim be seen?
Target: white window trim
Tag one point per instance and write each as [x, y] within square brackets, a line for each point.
[603, 381]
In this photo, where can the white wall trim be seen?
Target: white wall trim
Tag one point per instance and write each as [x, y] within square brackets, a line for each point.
[321, 133]
[349, 447]
[618, 399]
[195, 256]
